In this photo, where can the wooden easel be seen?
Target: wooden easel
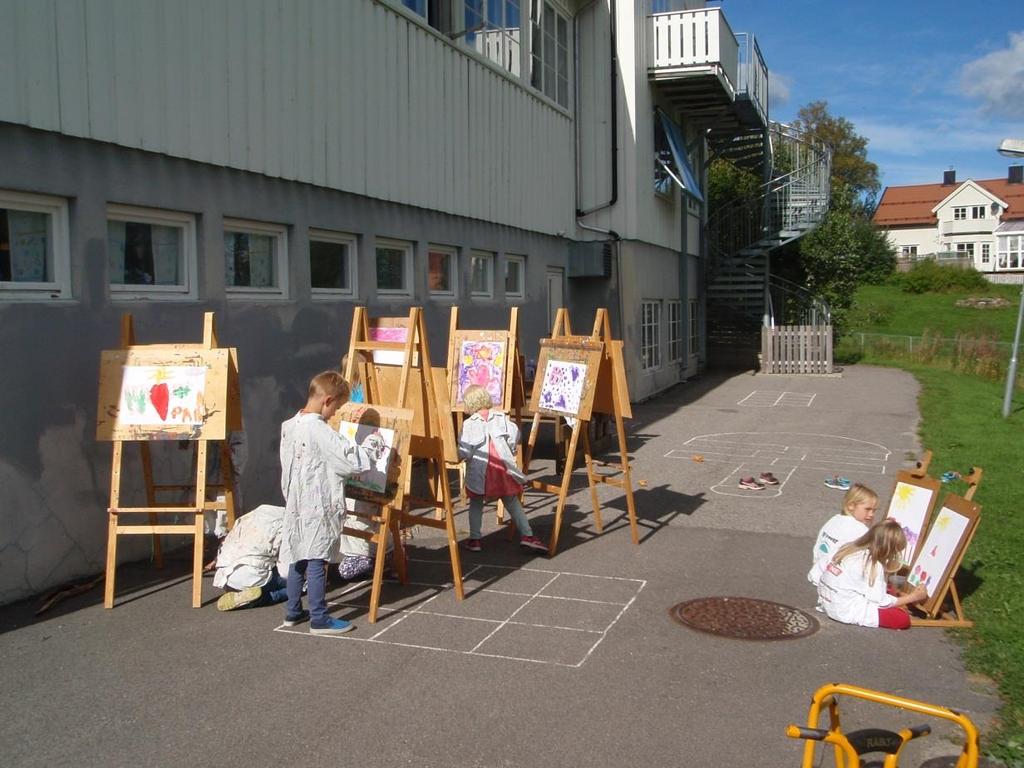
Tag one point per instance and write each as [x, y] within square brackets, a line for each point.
[418, 387]
[222, 414]
[610, 396]
[513, 397]
[932, 608]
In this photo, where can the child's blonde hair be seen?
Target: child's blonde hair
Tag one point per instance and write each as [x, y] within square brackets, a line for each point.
[476, 398]
[358, 360]
[883, 542]
[856, 495]
[329, 383]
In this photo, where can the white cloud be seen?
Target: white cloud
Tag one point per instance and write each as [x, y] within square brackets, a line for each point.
[997, 79]
[779, 89]
[926, 137]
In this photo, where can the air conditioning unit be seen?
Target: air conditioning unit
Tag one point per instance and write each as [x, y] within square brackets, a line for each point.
[592, 258]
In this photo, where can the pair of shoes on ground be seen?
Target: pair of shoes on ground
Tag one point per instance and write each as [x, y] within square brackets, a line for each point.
[229, 601]
[332, 627]
[758, 483]
[526, 542]
[949, 477]
[838, 483]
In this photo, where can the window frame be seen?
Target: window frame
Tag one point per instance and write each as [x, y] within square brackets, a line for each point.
[60, 243]
[674, 326]
[975, 209]
[406, 246]
[490, 258]
[653, 328]
[520, 260]
[538, 31]
[133, 214]
[908, 251]
[510, 55]
[960, 213]
[965, 249]
[279, 234]
[986, 253]
[338, 238]
[453, 271]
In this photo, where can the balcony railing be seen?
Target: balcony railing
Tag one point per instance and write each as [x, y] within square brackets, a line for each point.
[700, 40]
[753, 74]
[968, 226]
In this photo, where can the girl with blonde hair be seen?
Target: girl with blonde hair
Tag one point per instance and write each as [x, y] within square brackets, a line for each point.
[852, 588]
[856, 513]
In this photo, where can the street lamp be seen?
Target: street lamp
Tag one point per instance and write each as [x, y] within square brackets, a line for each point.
[1013, 148]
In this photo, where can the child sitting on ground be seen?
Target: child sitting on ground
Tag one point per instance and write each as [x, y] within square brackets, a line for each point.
[247, 561]
[487, 445]
[315, 460]
[852, 588]
[858, 512]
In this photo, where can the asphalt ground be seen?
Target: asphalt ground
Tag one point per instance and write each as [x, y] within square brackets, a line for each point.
[569, 660]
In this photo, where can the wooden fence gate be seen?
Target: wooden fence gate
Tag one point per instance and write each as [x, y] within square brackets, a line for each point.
[796, 349]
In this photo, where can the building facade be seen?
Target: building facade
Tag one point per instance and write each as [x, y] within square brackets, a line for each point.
[281, 163]
[978, 222]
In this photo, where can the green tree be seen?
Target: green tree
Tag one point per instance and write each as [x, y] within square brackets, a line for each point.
[850, 165]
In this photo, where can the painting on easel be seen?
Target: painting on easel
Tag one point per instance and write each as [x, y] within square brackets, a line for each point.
[155, 395]
[941, 545]
[910, 506]
[394, 333]
[566, 377]
[385, 433]
[480, 362]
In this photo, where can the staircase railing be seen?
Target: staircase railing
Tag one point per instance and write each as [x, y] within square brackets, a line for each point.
[792, 304]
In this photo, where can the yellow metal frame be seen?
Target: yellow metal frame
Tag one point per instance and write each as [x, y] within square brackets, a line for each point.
[845, 754]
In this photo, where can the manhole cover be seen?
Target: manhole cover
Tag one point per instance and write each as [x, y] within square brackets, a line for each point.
[744, 618]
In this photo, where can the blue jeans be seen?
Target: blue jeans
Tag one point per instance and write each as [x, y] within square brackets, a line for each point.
[476, 513]
[274, 591]
[315, 574]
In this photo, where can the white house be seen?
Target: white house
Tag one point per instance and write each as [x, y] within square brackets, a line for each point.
[978, 220]
[279, 163]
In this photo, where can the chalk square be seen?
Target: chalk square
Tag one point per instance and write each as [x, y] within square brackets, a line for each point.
[522, 581]
[569, 614]
[610, 590]
[545, 644]
[393, 596]
[443, 633]
[481, 604]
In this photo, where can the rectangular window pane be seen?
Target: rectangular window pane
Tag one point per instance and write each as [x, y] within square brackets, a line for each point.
[481, 275]
[144, 254]
[249, 260]
[390, 269]
[514, 277]
[439, 271]
[26, 247]
[329, 265]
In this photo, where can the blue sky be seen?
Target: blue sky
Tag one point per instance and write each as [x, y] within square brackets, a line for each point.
[932, 85]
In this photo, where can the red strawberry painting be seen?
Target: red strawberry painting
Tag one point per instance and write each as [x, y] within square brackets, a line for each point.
[160, 397]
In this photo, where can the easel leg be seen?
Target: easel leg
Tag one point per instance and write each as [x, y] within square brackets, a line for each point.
[590, 478]
[115, 502]
[563, 491]
[378, 561]
[147, 474]
[198, 534]
[627, 477]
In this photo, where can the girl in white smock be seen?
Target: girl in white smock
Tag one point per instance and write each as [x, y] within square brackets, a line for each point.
[858, 512]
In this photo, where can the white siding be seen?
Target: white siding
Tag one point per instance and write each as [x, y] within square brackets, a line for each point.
[347, 94]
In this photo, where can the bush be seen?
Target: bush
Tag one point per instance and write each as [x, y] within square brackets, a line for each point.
[930, 277]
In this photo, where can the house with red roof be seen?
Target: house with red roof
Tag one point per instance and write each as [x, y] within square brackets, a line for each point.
[979, 221]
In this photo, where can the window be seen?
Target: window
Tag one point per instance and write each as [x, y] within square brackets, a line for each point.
[978, 212]
[675, 330]
[549, 53]
[515, 277]
[965, 249]
[908, 251]
[441, 271]
[394, 268]
[985, 253]
[650, 335]
[35, 261]
[255, 258]
[959, 213]
[333, 257]
[150, 253]
[671, 160]
[493, 30]
[482, 277]
[694, 332]
[1010, 247]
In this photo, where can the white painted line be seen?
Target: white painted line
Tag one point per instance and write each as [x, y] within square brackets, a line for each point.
[517, 610]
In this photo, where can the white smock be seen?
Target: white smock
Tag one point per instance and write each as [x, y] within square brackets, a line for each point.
[838, 531]
[315, 460]
[845, 594]
[473, 447]
[249, 552]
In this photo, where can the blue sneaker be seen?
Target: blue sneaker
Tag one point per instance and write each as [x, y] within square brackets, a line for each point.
[838, 483]
[291, 621]
[332, 627]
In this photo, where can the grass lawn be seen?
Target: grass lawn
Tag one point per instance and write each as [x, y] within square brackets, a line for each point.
[887, 309]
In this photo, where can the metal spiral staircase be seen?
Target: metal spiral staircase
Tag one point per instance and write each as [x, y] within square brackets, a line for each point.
[742, 293]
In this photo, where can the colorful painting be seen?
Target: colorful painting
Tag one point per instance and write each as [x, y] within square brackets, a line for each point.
[380, 443]
[389, 333]
[909, 507]
[562, 387]
[482, 363]
[162, 395]
[940, 547]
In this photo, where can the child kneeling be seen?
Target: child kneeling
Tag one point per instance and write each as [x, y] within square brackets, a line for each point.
[487, 444]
